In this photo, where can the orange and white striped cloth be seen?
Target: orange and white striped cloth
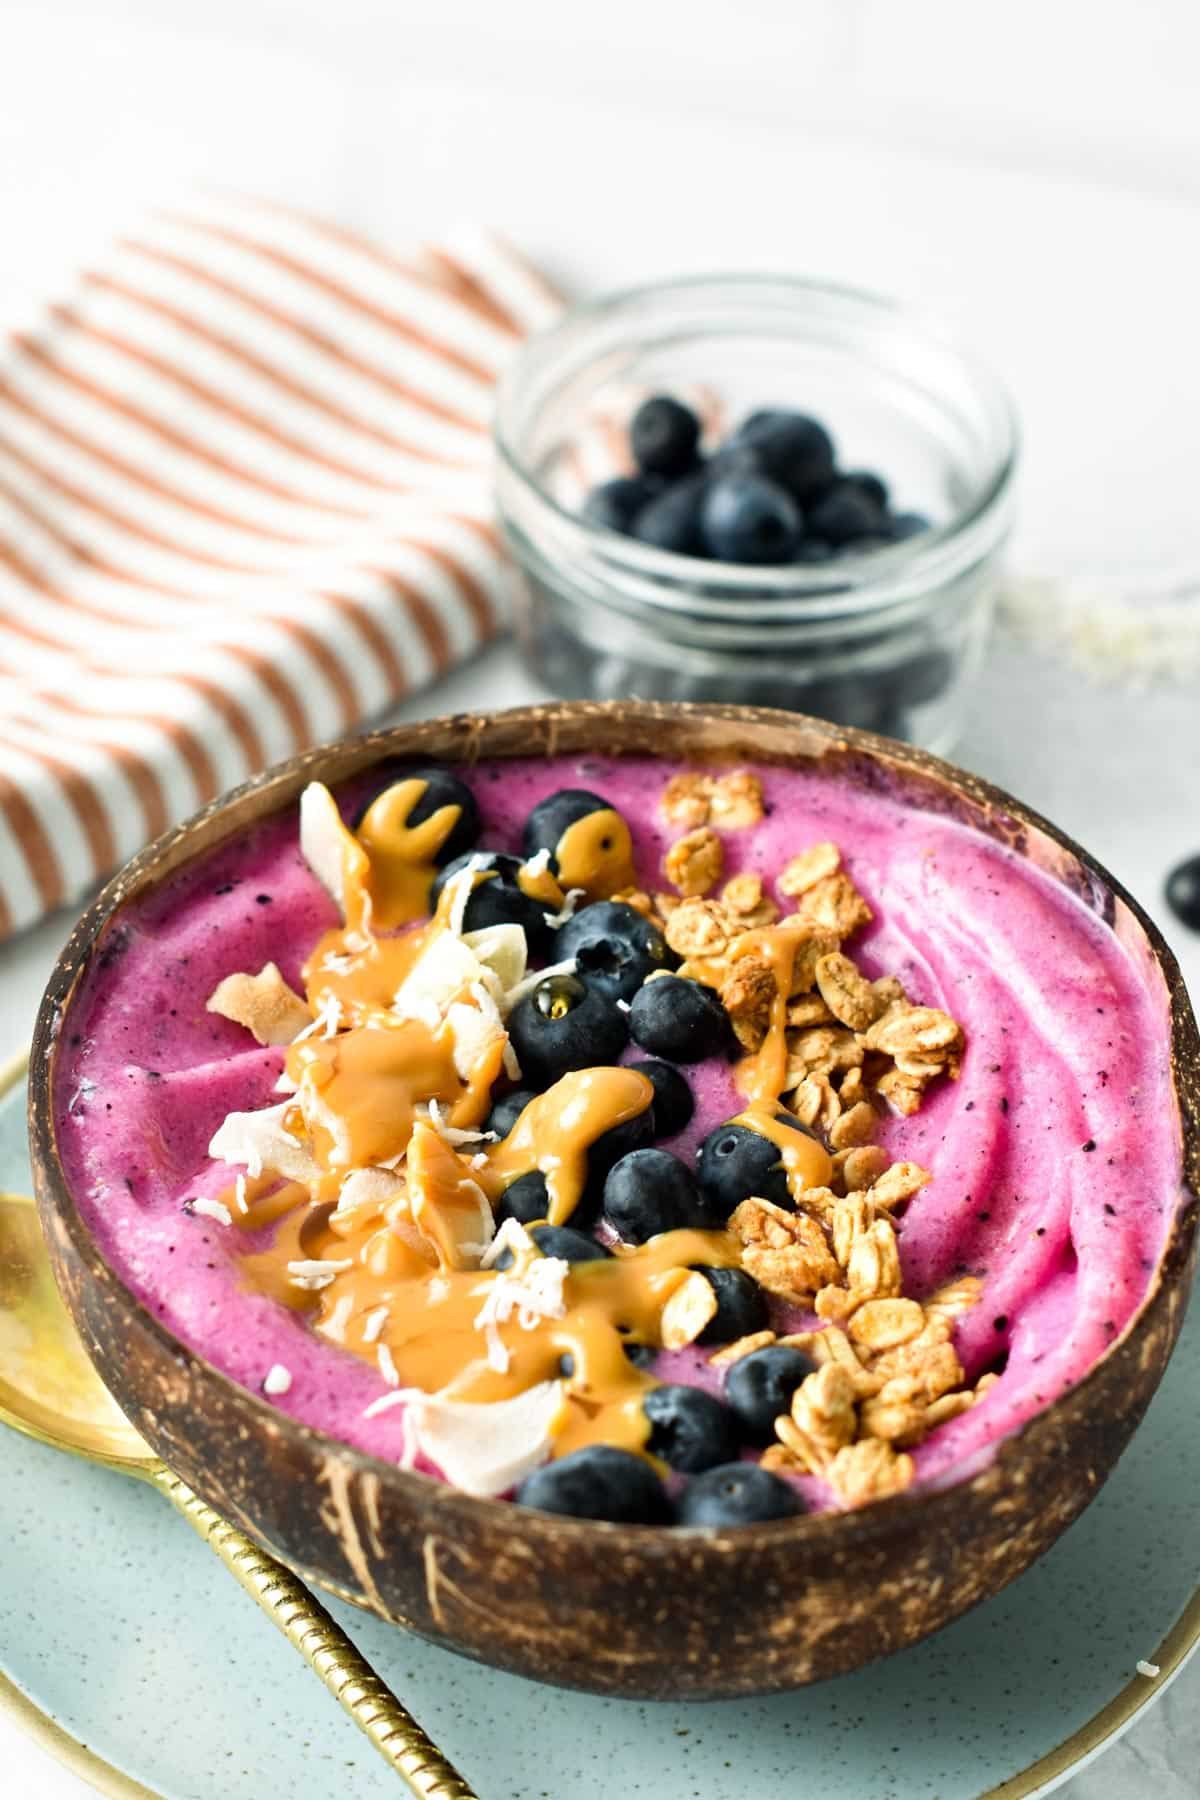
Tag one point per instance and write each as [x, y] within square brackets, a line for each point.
[245, 504]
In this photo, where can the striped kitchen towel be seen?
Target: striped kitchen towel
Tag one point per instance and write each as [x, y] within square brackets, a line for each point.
[245, 504]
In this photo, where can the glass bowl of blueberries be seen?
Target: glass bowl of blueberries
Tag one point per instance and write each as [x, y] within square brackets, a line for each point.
[756, 489]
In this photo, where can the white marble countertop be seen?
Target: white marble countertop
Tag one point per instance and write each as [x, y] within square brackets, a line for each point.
[1053, 222]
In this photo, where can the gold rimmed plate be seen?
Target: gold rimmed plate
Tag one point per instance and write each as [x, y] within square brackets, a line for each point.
[128, 1660]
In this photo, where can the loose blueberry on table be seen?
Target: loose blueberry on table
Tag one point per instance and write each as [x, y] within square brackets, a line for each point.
[1183, 892]
[769, 494]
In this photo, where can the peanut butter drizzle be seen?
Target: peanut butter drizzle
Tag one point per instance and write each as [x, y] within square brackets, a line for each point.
[540, 884]
[431, 1330]
[596, 854]
[402, 857]
[763, 1075]
[359, 1091]
[446, 1205]
[806, 1163]
[555, 1132]
[413, 1254]
[363, 972]
[266, 1201]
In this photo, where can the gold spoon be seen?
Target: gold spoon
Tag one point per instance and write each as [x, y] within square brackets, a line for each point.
[50, 1391]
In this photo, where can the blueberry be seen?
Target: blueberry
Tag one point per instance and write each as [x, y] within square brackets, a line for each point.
[615, 947]
[672, 520]
[506, 1112]
[746, 518]
[642, 1356]
[441, 789]
[618, 1141]
[498, 900]
[736, 1162]
[741, 1306]
[605, 853]
[571, 1246]
[737, 1493]
[674, 1102]
[561, 1241]
[648, 1192]
[636, 1133]
[678, 1019]
[870, 486]
[664, 436]
[759, 1388]
[564, 1025]
[526, 1199]
[843, 516]
[598, 1482]
[691, 1430]
[790, 448]
[906, 525]
[613, 504]
[1183, 892]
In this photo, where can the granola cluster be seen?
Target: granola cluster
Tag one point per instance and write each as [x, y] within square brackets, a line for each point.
[885, 1377]
[887, 1371]
[847, 1037]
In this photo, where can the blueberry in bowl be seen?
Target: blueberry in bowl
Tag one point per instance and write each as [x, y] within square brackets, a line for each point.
[614, 948]
[584, 841]
[690, 1429]
[678, 1019]
[598, 1483]
[564, 1024]
[649, 1192]
[737, 1494]
[498, 896]
[674, 1102]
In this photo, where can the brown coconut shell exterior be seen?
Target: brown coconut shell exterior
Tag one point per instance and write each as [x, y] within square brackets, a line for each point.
[619, 1610]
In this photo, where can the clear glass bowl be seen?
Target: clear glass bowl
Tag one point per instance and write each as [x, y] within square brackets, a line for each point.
[888, 639]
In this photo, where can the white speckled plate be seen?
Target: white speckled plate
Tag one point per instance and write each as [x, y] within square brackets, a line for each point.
[119, 1632]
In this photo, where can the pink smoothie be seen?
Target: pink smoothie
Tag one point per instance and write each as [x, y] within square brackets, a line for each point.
[1055, 1157]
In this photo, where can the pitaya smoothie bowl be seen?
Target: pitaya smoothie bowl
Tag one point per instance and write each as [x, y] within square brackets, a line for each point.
[657, 1142]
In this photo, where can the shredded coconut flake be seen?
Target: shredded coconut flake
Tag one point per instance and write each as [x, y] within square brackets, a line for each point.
[397, 1397]
[464, 886]
[533, 1295]
[213, 1209]
[277, 1380]
[452, 1133]
[387, 1366]
[571, 899]
[518, 993]
[328, 1020]
[1150, 1670]
[513, 1236]
[375, 1323]
[337, 965]
[538, 863]
[623, 1006]
[314, 1274]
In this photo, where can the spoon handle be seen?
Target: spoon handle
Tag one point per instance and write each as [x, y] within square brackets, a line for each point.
[325, 1648]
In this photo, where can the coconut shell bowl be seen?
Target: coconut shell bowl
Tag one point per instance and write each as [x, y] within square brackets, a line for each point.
[620, 1610]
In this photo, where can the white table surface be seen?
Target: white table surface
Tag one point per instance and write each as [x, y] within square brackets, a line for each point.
[1084, 292]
